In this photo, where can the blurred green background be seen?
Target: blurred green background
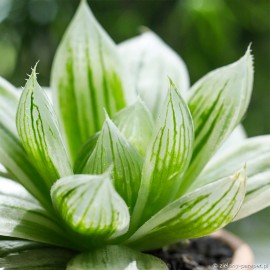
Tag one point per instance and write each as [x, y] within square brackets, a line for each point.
[206, 33]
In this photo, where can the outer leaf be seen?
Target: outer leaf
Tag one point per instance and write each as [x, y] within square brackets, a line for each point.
[22, 217]
[257, 196]
[217, 104]
[10, 246]
[150, 61]
[194, 215]
[23, 255]
[136, 123]
[12, 154]
[86, 78]
[256, 153]
[115, 258]
[38, 129]
[90, 206]
[167, 157]
[113, 148]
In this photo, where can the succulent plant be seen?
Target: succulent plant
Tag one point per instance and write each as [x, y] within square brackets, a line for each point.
[127, 158]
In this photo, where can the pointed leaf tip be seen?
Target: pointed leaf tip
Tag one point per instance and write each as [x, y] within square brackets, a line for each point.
[167, 157]
[139, 54]
[38, 129]
[86, 77]
[217, 103]
[113, 148]
[136, 123]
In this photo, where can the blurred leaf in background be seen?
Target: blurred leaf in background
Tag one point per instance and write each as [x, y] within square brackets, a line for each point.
[206, 33]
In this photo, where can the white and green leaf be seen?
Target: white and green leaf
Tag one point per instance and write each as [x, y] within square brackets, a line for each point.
[196, 214]
[255, 152]
[39, 132]
[150, 61]
[21, 216]
[115, 258]
[86, 77]
[237, 136]
[136, 123]
[12, 155]
[167, 157]
[113, 148]
[27, 255]
[217, 103]
[10, 245]
[85, 153]
[91, 207]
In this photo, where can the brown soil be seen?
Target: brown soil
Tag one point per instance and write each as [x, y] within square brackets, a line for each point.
[198, 254]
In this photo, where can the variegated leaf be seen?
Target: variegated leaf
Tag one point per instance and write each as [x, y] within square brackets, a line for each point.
[115, 258]
[85, 153]
[113, 148]
[237, 136]
[86, 77]
[39, 132]
[255, 152]
[21, 216]
[257, 195]
[150, 61]
[136, 123]
[27, 255]
[218, 102]
[194, 215]
[167, 157]
[12, 155]
[91, 207]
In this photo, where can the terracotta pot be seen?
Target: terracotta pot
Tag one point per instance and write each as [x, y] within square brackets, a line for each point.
[243, 257]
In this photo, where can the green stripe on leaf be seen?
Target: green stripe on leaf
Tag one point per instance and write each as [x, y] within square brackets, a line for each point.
[115, 258]
[91, 207]
[22, 217]
[12, 155]
[149, 62]
[22, 255]
[217, 103]
[167, 157]
[255, 152]
[39, 132]
[194, 215]
[136, 123]
[113, 148]
[86, 76]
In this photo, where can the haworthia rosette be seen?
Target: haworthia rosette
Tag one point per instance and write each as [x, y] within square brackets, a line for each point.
[86, 77]
[40, 135]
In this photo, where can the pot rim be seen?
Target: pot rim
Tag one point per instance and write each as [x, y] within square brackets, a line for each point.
[242, 254]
